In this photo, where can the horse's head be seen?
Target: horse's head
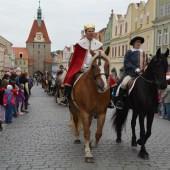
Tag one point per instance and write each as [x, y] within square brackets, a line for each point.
[100, 68]
[158, 67]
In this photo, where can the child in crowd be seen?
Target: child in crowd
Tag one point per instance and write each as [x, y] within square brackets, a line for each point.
[9, 103]
[2, 109]
[20, 99]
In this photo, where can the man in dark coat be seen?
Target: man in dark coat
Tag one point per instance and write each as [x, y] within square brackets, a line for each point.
[134, 64]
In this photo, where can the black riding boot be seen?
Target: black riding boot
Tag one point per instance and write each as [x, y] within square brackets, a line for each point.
[67, 94]
[120, 99]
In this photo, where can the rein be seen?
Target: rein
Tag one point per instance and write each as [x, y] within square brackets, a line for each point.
[146, 80]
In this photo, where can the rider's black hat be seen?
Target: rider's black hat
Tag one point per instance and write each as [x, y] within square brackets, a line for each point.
[133, 40]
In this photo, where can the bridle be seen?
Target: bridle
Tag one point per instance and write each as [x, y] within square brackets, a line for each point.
[100, 74]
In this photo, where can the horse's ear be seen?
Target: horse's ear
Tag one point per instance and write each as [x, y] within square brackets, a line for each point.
[158, 52]
[107, 51]
[167, 52]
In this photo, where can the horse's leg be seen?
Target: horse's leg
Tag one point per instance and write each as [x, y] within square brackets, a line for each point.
[100, 124]
[133, 125]
[150, 117]
[142, 154]
[75, 121]
[86, 126]
[140, 141]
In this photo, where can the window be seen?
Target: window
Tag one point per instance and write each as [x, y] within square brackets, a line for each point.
[115, 51]
[38, 45]
[147, 18]
[20, 55]
[166, 36]
[119, 51]
[112, 51]
[116, 30]
[159, 38]
[161, 12]
[20, 62]
[126, 25]
[136, 25]
[168, 9]
[126, 47]
[122, 50]
[33, 46]
[44, 45]
[121, 29]
[141, 20]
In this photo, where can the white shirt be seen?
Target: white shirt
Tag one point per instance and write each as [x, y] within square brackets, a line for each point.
[89, 45]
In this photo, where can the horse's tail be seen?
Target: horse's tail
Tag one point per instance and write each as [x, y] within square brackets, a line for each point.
[119, 118]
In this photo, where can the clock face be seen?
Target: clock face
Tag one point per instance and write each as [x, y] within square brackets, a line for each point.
[39, 37]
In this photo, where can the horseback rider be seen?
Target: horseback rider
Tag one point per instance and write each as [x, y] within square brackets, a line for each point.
[82, 57]
[134, 65]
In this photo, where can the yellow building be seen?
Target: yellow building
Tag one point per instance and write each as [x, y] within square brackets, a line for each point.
[143, 15]
[138, 21]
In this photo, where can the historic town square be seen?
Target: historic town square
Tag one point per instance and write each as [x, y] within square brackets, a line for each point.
[85, 85]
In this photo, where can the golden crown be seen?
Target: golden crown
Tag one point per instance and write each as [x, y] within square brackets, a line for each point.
[87, 26]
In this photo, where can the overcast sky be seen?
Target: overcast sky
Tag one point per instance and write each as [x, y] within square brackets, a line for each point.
[64, 18]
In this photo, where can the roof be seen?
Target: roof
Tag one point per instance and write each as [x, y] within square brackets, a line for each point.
[20, 50]
[36, 28]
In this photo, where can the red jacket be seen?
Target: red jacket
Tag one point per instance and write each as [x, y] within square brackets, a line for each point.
[112, 81]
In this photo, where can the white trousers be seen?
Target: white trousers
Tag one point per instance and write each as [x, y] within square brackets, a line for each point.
[125, 81]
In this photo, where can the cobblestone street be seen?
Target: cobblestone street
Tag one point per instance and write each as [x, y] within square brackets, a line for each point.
[42, 139]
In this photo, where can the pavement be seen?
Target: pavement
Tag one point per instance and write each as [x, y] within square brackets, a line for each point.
[42, 139]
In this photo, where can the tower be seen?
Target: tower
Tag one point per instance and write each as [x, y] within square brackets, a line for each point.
[38, 45]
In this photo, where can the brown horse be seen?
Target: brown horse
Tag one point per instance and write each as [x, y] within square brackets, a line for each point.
[91, 95]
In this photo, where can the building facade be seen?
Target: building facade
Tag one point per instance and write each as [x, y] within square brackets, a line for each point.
[138, 21]
[162, 25]
[121, 30]
[21, 58]
[39, 46]
[144, 15]
[7, 60]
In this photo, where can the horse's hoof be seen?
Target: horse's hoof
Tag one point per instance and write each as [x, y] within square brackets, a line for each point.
[144, 155]
[118, 140]
[77, 141]
[89, 159]
[139, 142]
[134, 143]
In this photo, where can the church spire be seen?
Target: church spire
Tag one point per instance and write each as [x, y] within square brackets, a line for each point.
[39, 14]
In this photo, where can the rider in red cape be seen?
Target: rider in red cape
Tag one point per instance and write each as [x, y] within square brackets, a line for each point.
[82, 57]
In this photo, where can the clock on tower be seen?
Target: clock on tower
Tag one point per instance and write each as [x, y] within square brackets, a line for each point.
[39, 37]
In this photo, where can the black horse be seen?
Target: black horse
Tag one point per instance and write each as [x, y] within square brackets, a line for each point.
[143, 101]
